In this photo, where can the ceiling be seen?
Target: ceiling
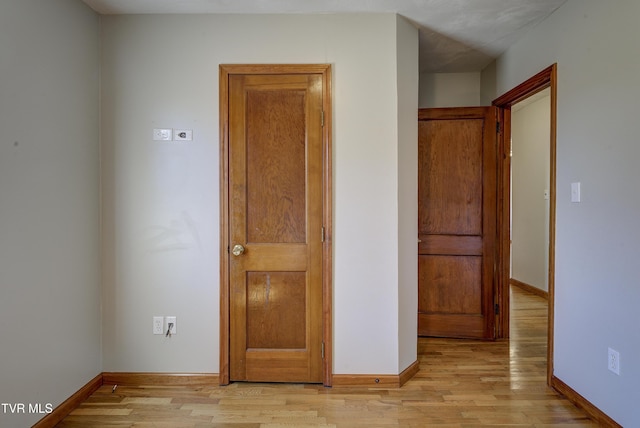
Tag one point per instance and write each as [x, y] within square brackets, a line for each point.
[455, 35]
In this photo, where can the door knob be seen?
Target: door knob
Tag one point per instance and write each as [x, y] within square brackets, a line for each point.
[237, 250]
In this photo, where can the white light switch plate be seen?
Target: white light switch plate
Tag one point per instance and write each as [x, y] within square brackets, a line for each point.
[160, 134]
[575, 192]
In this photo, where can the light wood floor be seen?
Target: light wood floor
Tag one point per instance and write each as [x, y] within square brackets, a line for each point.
[461, 383]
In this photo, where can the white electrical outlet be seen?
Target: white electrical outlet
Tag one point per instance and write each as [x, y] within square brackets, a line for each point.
[158, 325]
[614, 361]
[170, 325]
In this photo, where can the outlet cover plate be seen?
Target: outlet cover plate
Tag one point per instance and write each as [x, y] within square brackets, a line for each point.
[182, 135]
[162, 134]
[158, 325]
[174, 327]
[614, 361]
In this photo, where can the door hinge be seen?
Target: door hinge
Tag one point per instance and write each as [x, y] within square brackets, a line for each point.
[322, 236]
[322, 350]
[497, 127]
[322, 118]
[496, 308]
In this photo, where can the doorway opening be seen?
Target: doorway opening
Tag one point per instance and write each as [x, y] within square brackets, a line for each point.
[545, 80]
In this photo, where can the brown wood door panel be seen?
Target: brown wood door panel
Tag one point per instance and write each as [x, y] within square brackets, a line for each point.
[276, 308]
[276, 366]
[451, 175]
[457, 205]
[276, 214]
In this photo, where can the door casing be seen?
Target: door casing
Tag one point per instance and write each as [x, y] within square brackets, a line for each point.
[225, 71]
[547, 78]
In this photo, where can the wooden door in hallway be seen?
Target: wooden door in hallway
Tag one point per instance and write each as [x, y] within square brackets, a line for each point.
[457, 203]
[275, 227]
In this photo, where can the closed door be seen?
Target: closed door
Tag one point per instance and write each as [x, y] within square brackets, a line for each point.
[457, 205]
[275, 227]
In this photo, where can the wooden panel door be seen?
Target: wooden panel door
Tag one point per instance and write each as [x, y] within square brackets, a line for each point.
[457, 221]
[275, 227]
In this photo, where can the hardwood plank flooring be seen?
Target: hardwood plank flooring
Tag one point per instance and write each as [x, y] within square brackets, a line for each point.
[461, 383]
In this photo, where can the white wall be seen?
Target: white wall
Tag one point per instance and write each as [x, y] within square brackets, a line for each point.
[161, 213]
[49, 203]
[530, 127]
[407, 45]
[595, 44]
[488, 84]
[449, 90]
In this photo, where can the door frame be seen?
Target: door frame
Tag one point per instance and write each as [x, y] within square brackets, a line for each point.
[547, 78]
[225, 70]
